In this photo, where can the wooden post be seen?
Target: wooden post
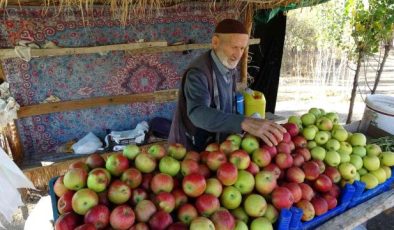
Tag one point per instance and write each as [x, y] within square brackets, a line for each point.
[12, 136]
[244, 61]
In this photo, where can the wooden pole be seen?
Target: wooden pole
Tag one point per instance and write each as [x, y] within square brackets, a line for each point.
[244, 61]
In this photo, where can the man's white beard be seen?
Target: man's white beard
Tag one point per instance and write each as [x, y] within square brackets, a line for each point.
[224, 60]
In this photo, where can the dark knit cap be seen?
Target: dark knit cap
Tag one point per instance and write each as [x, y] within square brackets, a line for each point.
[230, 26]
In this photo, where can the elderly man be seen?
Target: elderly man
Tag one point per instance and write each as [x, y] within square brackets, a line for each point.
[206, 106]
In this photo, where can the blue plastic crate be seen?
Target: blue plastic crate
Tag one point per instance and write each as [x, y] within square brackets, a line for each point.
[346, 197]
[363, 194]
[53, 198]
[284, 219]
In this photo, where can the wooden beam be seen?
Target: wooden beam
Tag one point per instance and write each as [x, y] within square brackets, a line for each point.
[132, 48]
[361, 213]
[157, 97]
[244, 61]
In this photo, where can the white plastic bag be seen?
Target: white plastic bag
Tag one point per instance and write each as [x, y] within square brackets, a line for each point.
[87, 145]
[11, 178]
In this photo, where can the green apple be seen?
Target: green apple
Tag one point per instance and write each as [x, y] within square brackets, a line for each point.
[318, 153]
[311, 144]
[321, 137]
[362, 171]
[131, 151]
[337, 126]
[348, 171]
[255, 205]
[345, 147]
[308, 119]
[240, 225]
[387, 158]
[214, 187]
[201, 223]
[235, 139]
[357, 161]
[387, 170]
[324, 124]
[145, 163]
[332, 158]
[373, 149]
[245, 182]
[344, 157]
[333, 145]
[309, 133]
[177, 151]
[358, 139]
[83, 200]
[231, 197]
[98, 179]
[359, 150]
[322, 112]
[315, 111]
[261, 223]
[371, 163]
[314, 127]
[250, 143]
[357, 177]
[370, 181]
[340, 134]
[296, 120]
[333, 117]
[271, 213]
[240, 214]
[169, 165]
[380, 174]
[75, 178]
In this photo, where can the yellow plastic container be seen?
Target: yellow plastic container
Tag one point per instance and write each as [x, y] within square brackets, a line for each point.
[254, 103]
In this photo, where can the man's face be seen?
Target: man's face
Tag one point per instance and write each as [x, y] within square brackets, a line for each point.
[229, 48]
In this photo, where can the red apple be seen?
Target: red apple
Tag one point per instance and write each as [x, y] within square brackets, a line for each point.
[165, 201]
[178, 226]
[158, 151]
[160, 220]
[119, 192]
[299, 142]
[261, 157]
[307, 191]
[189, 166]
[320, 205]
[177, 151]
[295, 174]
[273, 168]
[68, 221]
[86, 227]
[223, 220]
[204, 170]
[146, 178]
[283, 147]
[253, 168]
[80, 165]
[307, 209]
[283, 160]
[103, 198]
[295, 189]
[215, 159]
[212, 147]
[271, 149]
[311, 170]
[122, 217]
[228, 147]
[286, 138]
[187, 213]
[192, 155]
[95, 160]
[282, 198]
[291, 128]
[265, 182]
[138, 195]
[132, 177]
[161, 182]
[180, 197]
[240, 158]
[59, 188]
[331, 201]
[304, 152]
[64, 203]
[204, 156]
[140, 226]
[144, 210]
[298, 160]
[323, 183]
[335, 191]
[194, 184]
[116, 164]
[321, 165]
[227, 174]
[98, 216]
[292, 146]
[333, 173]
[207, 204]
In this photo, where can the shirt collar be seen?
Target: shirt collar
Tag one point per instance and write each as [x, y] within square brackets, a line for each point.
[222, 69]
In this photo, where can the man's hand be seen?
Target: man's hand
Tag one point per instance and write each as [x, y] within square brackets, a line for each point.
[270, 132]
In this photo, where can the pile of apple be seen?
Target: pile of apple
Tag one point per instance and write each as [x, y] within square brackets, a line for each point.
[240, 183]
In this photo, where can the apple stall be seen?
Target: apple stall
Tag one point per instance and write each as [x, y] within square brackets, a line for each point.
[76, 70]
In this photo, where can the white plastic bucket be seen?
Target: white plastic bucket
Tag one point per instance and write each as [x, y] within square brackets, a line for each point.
[379, 111]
